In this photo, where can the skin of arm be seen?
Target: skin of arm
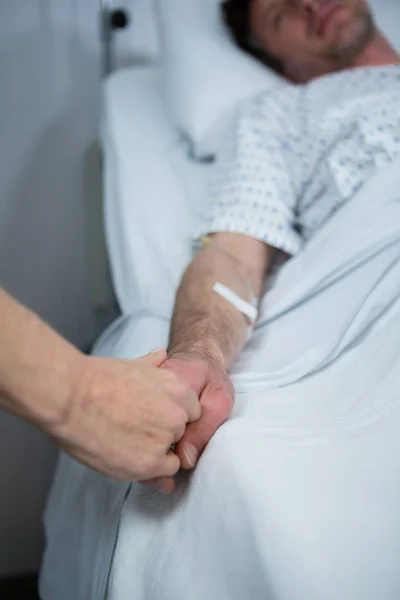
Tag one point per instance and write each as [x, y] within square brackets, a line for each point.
[205, 324]
[208, 333]
[36, 366]
[118, 417]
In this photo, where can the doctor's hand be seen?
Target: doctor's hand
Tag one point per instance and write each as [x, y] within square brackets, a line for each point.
[125, 415]
[212, 384]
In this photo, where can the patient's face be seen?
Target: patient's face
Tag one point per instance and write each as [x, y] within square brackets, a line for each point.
[312, 37]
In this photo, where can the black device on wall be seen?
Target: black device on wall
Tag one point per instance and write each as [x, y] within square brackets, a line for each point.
[112, 19]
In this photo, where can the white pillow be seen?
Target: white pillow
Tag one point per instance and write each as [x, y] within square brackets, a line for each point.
[387, 16]
[207, 76]
[152, 192]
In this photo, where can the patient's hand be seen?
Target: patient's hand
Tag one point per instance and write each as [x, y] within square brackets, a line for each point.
[211, 382]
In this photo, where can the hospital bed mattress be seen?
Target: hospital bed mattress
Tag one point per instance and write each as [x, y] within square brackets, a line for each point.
[152, 191]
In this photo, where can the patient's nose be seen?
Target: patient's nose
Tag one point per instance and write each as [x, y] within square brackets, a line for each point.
[314, 5]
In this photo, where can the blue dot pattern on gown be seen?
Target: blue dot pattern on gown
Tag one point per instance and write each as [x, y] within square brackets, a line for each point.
[296, 154]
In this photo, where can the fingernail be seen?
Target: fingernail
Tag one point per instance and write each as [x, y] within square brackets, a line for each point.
[156, 350]
[191, 455]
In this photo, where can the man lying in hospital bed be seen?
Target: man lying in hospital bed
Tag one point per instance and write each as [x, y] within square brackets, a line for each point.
[296, 497]
[295, 157]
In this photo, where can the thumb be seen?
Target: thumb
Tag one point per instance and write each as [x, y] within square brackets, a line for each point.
[155, 357]
[196, 438]
[216, 408]
[191, 446]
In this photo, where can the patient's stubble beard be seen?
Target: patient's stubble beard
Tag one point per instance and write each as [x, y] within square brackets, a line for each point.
[345, 51]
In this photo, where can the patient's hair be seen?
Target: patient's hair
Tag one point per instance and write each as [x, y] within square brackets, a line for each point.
[236, 14]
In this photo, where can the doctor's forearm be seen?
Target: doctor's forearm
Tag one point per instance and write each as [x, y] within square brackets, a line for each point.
[37, 366]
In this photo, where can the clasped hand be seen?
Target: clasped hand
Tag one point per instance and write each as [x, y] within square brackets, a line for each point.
[212, 385]
[122, 417]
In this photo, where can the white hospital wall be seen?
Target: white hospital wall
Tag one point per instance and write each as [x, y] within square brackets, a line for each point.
[49, 96]
[48, 109]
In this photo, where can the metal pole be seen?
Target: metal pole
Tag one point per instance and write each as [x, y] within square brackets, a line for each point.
[106, 33]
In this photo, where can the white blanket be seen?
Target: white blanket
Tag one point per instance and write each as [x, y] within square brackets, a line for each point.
[296, 497]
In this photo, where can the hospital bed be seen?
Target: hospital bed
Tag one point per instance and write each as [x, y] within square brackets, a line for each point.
[304, 533]
[141, 203]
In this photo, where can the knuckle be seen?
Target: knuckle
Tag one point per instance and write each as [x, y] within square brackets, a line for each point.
[179, 427]
[170, 378]
[179, 433]
[182, 391]
[176, 386]
[179, 416]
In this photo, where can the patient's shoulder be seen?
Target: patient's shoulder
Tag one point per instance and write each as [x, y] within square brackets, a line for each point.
[280, 105]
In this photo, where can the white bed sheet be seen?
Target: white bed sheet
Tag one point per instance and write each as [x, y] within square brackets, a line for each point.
[152, 191]
[296, 497]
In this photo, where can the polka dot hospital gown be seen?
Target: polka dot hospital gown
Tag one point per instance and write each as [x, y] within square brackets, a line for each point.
[299, 152]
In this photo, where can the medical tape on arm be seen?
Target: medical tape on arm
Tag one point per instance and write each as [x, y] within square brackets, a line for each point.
[248, 308]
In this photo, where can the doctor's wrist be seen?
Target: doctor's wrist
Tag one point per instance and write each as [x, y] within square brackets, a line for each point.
[53, 407]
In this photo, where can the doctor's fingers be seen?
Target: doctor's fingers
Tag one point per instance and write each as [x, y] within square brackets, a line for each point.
[165, 485]
[168, 466]
[182, 394]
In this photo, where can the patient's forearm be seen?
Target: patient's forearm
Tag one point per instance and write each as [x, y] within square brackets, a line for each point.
[203, 322]
[36, 365]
